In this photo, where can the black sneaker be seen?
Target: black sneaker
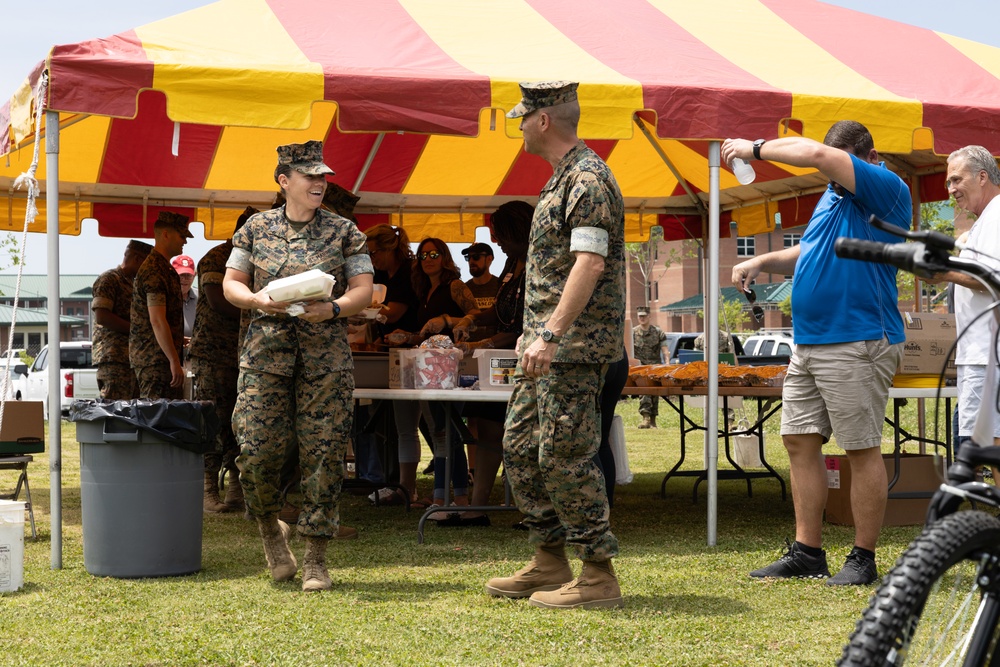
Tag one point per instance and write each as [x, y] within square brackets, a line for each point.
[858, 570]
[795, 564]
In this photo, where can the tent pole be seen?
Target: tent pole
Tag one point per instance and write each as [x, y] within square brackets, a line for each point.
[670, 165]
[712, 343]
[368, 162]
[55, 417]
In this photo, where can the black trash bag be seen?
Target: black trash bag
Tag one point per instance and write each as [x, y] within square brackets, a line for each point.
[190, 425]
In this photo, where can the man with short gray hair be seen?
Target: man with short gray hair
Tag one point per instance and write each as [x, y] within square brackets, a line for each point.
[574, 320]
[973, 179]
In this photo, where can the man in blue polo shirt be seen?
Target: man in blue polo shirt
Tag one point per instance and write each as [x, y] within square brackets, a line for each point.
[848, 340]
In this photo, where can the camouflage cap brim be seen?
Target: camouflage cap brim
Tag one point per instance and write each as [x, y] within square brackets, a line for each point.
[314, 169]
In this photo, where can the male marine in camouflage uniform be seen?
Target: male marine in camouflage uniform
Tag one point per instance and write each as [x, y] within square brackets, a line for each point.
[214, 353]
[573, 327]
[112, 306]
[156, 335]
[296, 382]
[647, 340]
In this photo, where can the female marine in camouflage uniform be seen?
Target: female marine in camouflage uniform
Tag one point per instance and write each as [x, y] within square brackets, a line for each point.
[296, 378]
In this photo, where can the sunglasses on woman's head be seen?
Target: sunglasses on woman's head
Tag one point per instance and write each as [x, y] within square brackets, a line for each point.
[433, 254]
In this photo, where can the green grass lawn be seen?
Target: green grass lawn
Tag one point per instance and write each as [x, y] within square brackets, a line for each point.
[395, 602]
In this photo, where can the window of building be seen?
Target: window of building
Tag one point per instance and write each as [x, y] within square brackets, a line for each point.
[18, 339]
[745, 246]
[792, 240]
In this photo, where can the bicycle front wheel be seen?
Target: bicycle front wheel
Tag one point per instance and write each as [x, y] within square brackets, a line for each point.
[936, 605]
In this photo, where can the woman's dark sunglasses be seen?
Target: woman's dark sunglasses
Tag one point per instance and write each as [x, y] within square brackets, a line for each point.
[433, 254]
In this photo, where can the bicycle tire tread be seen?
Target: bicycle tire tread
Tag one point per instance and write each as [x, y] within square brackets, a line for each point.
[904, 589]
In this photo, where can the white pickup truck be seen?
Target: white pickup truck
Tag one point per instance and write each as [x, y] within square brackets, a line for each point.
[79, 376]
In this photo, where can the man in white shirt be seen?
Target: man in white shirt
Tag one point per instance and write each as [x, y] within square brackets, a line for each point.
[973, 179]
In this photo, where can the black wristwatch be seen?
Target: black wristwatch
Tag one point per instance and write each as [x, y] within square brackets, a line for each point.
[756, 148]
[550, 337]
[336, 309]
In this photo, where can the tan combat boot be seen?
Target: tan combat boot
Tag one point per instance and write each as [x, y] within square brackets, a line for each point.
[595, 588]
[280, 559]
[314, 573]
[645, 422]
[213, 504]
[547, 571]
[652, 421]
[346, 533]
[234, 490]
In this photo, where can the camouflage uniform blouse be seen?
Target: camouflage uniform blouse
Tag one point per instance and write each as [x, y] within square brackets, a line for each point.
[267, 248]
[156, 284]
[581, 195]
[112, 291]
[646, 344]
[215, 339]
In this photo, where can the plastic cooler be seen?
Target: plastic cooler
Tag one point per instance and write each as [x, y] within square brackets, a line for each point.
[11, 546]
[141, 497]
[496, 369]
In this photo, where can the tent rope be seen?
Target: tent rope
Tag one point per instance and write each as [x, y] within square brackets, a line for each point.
[25, 180]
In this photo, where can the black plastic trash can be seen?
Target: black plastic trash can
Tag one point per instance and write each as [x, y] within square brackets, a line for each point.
[141, 485]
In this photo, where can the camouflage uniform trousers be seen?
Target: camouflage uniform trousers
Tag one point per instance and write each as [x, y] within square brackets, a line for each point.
[274, 411]
[154, 383]
[218, 384]
[551, 435]
[649, 406]
[117, 382]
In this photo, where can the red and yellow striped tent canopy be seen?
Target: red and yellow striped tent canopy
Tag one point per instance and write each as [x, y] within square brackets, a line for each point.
[409, 97]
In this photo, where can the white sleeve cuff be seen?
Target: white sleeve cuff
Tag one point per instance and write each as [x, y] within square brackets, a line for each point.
[589, 239]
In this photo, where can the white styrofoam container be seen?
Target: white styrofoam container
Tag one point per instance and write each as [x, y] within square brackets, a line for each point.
[306, 286]
[11, 546]
[496, 369]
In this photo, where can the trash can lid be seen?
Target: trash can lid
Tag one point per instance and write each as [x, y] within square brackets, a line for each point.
[192, 425]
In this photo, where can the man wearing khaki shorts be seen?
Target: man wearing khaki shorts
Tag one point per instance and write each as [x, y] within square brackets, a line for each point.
[848, 336]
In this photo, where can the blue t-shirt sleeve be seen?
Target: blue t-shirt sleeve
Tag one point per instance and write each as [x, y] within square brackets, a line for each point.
[882, 192]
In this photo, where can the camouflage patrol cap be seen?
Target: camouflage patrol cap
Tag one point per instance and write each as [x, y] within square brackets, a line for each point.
[542, 94]
[139, 247]
[175, 221]
[304, 158]
[642, 310]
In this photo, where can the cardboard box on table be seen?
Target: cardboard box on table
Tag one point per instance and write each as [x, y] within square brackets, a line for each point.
[917, 473]
[23, 429]
[929, 337]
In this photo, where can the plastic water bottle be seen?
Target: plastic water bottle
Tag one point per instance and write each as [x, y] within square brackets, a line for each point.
[743, 171]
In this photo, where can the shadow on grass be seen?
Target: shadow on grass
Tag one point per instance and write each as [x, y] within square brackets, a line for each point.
[686, 604]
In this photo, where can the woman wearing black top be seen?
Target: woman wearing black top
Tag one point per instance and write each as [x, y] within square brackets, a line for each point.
[509, 225]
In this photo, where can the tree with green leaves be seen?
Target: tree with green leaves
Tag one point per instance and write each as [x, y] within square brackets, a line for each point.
[652, 264]
[732, 316]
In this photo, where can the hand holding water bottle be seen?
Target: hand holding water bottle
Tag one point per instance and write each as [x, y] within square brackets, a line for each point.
[737, 153]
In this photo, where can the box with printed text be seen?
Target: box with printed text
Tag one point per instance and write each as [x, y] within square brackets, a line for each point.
[929, 338]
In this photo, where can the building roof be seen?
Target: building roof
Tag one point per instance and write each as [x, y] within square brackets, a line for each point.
[35, 286]
[767, 293]
[35, 316]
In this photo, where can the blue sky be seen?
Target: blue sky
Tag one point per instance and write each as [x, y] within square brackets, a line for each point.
[66, 21]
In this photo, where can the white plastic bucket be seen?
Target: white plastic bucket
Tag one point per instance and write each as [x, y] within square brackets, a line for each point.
[11, 546]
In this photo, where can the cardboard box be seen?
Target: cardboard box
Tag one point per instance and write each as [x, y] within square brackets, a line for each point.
[929, 336]
[23, 429]
[396, 369]
[917, 473]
